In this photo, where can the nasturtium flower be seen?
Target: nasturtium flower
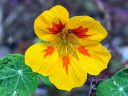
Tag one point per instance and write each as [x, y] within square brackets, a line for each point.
[72, 51]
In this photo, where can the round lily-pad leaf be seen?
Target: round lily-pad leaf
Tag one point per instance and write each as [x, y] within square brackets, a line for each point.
[113, 87]
[116, 86]
[16, 79]
[122, 73]
[3, 62]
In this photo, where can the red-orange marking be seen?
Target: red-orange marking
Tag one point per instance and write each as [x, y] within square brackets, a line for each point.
[80, 32]
[66, 62]
[56, 28]
[83, 51]
[48, 51]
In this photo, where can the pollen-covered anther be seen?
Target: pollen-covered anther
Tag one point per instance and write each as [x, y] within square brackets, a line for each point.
[48, 51]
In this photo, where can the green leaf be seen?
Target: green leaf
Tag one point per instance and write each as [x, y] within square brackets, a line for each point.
[113, 87]
[45, 80]
[122, 74]
[16, 79]
[3, 62]
[116, 86]
[37, 40]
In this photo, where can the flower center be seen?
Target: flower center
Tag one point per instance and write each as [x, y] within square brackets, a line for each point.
[67, 39]
[66, 42]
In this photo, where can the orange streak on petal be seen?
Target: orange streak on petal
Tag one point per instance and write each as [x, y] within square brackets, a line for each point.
[66, 62]
[80, 32]
[56, 27]
[83, 51]
[48, 51]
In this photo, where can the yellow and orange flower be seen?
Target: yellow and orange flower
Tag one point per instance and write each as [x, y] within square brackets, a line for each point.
[72, 51]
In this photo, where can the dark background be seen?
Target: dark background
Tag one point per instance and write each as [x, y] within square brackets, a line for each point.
[17, 34]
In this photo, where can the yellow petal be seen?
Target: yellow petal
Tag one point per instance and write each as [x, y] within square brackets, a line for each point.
[90, 31]
[94, 59]
[42, 59]
[50, 22]
[74, 78]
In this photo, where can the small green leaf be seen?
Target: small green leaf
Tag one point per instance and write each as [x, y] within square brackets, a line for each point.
[45, 80]
[16, 79]
[116, 86]
[37, 40]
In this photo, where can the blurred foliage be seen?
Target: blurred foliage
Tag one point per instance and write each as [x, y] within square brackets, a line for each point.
[115, 66]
